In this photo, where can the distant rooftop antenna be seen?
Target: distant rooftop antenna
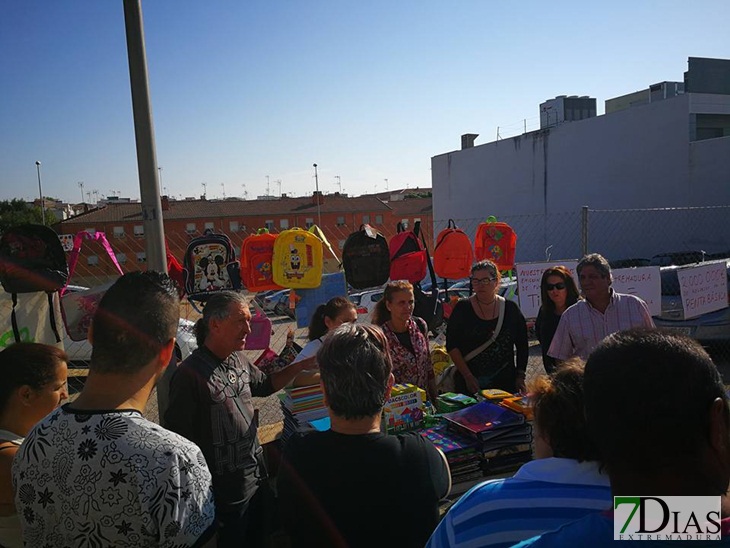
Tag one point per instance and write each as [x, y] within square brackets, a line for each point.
[278, 182]
[267, 186]
[223, 186]
[205, 190]
[339, 182]
[245, 192]
[386, 184]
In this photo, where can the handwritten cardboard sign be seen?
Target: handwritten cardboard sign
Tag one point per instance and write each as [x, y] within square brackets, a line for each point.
[703, 288]
[644, 282]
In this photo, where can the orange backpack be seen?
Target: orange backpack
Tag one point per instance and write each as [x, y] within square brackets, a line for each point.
[496, 242]
[256, 258]
[453, 255]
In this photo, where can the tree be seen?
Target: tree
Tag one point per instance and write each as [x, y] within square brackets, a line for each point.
[17, 212]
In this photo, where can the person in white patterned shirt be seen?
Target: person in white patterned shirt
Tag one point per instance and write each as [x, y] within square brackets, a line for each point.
[95, 472]
[603, 312]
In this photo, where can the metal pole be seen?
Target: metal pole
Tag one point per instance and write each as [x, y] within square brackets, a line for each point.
[40, 191]
[316, 184]
[145, 138]
[584, 230]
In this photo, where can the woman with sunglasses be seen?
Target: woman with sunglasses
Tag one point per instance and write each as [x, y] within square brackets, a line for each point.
[557, 292]
[484, 335]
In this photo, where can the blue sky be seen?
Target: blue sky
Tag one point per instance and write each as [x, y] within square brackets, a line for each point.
[367, 90]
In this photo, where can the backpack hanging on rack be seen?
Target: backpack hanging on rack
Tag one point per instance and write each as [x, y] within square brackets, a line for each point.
[257, 251]
[496, 242]
[298, 259]
[32, 260]
[78, 307]
[427, 306]
[453, 255]
[366, 258]
[407, 254]
[209, 266]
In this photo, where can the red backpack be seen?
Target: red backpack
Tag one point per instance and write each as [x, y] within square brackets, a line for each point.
[257, 251]
[407, 255]
[453, 255]
[496, 242]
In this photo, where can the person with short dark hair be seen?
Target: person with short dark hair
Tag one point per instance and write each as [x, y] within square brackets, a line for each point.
[487, 337]
[602, 312]
[33, 384]
[562, 484]
[669, 437]
[211, 404]
[354, 485]
[558, 292]
[95, 471]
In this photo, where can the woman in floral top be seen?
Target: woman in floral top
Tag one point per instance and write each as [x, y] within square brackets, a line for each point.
[407, 337]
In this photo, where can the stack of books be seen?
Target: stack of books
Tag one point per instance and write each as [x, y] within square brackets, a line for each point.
[301, 406]
[504, 437]
[461, 452]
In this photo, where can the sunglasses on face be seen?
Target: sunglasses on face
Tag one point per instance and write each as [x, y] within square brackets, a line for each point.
[559, 285]
[482, 281]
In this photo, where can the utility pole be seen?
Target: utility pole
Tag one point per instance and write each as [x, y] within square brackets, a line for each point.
[40, 191]
[316, 183]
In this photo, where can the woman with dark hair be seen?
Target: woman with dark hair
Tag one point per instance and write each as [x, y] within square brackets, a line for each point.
[328, 316]
[483, 335]
[33, 384]
[557, 292]
[407, 337]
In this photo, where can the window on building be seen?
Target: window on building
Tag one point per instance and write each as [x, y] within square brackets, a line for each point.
[141, 257]
[138, 231]
[417, 220]
[269, 224]
[233, 226]
[119, 232]
[92, 260]
[91, 231]
[404, 222]
[283, 224]
[122, 258]
[341, 244]
[209, 226]
[309, 222]
[378, 219]
[190, 228]
[366, 219]
[340, 221]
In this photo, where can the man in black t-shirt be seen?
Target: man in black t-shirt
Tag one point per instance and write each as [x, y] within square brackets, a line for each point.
[353, 485]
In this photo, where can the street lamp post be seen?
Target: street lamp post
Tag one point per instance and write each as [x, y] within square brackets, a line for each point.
[316, 184]
[40, 191]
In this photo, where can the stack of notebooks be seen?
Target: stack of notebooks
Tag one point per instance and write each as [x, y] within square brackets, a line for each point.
[302, 406]
[461, 452]
[503, 436]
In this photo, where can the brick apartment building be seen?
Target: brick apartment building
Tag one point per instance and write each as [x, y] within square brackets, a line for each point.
[183, 220]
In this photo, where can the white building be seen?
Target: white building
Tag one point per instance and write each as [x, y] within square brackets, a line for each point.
[669, 152]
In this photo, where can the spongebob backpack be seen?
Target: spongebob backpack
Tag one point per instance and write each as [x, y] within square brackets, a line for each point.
[298, 260]
[257, 252]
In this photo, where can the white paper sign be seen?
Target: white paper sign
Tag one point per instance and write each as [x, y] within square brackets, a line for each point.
[703, 288]
[644, 282]
[528, 283]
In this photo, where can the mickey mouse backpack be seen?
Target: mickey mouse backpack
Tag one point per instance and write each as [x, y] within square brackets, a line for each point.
[210, 265]
[257, 253]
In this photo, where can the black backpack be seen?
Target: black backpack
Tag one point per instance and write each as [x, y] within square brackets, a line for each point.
[365, 258]
[32, 259]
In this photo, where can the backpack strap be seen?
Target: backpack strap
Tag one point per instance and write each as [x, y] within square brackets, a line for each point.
[314, 229]
[52, 316]
[74, 256]
[13, 319]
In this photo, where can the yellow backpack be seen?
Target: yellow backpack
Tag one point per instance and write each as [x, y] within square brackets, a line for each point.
[298, 260]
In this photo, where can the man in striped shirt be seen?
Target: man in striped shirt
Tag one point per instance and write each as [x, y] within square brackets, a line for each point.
[603, 312]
